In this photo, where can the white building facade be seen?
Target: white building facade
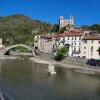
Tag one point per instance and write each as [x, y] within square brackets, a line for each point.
[74, 40]
[90, 45]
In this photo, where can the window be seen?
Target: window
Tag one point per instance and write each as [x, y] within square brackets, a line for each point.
[92, 41]
[79, 43]
[83, 56]
[75, 38]
[72, 44]
[91, 48]
[85, 41]
[79, 50]
[72, 38]
[91, 53]
[68, 38]
[74, 49]
[98, 41]
[61, 18]
[84, 52]
[84, 47]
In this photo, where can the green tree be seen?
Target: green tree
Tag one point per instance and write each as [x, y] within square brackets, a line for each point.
[55, 28]
[98, 50]
[61, 53]
[62, 29]
[95, 27]
[19, 28]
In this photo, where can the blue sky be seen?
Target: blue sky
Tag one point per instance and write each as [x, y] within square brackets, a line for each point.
[84, 11]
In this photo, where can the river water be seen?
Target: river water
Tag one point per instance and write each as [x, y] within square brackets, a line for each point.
[24, 80]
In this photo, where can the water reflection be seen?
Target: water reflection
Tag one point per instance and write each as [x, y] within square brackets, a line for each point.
[29, 81]
[16, 73]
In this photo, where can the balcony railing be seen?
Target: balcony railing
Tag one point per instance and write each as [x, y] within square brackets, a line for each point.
[75, 52]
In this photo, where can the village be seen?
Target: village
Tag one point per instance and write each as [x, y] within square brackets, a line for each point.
[49, 50]
[82, 43]
[74, 48]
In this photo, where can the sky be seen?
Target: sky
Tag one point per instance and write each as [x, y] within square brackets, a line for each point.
[85, 12]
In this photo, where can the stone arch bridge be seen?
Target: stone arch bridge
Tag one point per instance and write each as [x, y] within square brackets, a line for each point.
[4, 50]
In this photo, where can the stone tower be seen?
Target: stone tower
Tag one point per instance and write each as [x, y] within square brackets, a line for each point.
[65, 22]
[62, 22]
[71, 21]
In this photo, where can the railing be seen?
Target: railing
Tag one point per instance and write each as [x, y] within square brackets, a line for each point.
[75, 52]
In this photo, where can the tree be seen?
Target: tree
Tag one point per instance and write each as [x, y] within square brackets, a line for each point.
[98, 50]
[61, 53]
[18, 29]
[95, 27]
[55, 28]
[62, 29]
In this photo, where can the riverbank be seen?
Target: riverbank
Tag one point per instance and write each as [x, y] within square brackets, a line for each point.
[81, 69]
[4, 57]
[67, 64]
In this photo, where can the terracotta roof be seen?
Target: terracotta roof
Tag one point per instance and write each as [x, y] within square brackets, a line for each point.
[68, 34]
[91, 37]
[77, 30]
[72, 33]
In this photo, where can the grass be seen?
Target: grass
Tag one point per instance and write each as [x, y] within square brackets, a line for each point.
[21, 49]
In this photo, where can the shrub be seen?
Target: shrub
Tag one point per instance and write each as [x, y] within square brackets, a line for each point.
[59, 56]
[61, 53]
[98, 50]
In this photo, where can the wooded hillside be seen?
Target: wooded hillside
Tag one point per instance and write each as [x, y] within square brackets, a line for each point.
[21, 29]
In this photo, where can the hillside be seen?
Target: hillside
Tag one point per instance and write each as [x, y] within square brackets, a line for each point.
[21, 29]
[95, 27]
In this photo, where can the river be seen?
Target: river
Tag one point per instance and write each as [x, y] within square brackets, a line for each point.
[24, 80]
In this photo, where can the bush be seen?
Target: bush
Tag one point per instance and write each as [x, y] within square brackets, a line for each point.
[64, 50]
[98, 50]
[61, 54]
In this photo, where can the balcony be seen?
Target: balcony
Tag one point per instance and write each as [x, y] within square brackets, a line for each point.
[75, 52]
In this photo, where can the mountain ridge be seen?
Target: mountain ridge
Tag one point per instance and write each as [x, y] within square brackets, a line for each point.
[19, 28]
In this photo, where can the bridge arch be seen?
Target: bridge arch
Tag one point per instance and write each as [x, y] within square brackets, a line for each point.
[6, 49]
